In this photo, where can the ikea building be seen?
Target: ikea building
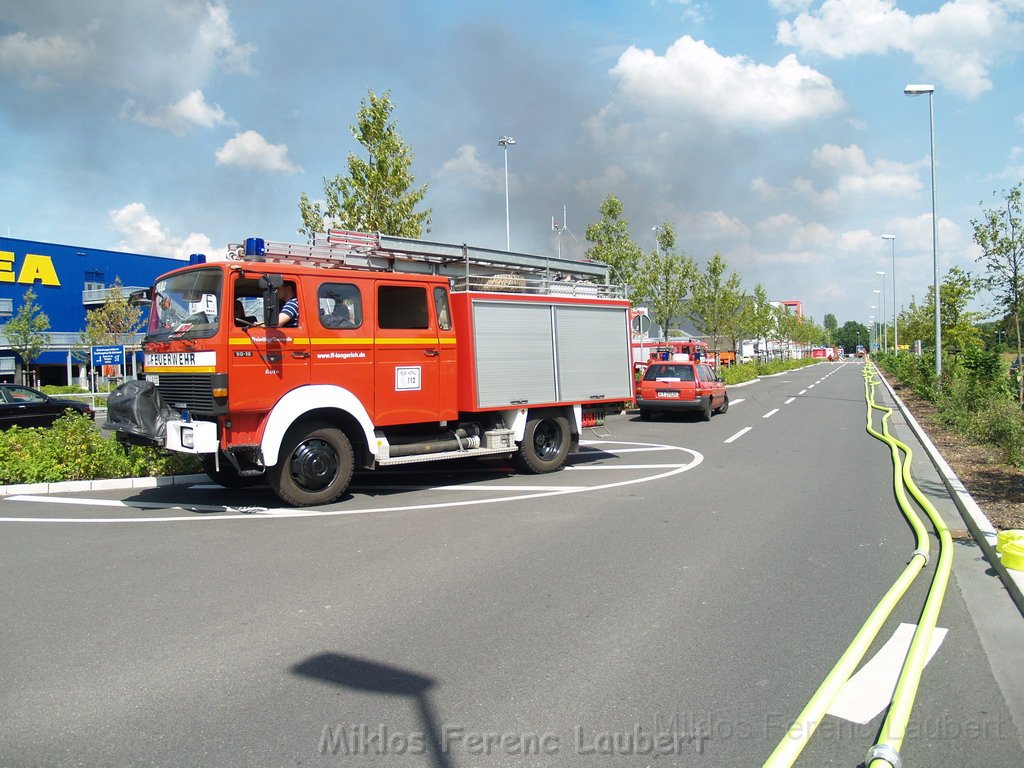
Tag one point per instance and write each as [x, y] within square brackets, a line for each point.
[68, 281]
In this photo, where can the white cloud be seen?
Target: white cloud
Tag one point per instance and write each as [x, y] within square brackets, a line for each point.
[611, 178]
[692, 11]
[179, 118]
[693, 78]
[154, 51]
[141, 232]
[467, 168]
[1015, 165]
[40, 61]
[713, 226]
[250, 150]
[855, 179]
[956, 44]
[790, 6]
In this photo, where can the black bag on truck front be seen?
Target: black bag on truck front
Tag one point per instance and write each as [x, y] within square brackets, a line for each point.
[138, 414]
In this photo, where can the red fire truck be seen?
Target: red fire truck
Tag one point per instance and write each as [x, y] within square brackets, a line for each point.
[403, 351]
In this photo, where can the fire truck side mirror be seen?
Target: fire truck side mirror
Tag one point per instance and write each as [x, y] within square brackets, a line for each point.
[271, 304]
[140, 298]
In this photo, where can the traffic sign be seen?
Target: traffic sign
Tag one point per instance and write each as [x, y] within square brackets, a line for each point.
[112, 355]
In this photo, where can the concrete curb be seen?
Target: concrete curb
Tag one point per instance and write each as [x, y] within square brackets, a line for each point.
[980, 527]
[81, 486]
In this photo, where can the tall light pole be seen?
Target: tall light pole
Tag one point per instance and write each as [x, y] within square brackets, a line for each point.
[895, 328]
[885, 325]
[505, 142]
[919, 90]
[656, 229]
[872, 335]
[881, 315]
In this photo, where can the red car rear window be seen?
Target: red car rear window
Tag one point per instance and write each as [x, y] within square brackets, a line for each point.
[682, 372]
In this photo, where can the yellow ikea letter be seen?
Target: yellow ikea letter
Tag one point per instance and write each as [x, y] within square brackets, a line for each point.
[39, 268]
[6, 267]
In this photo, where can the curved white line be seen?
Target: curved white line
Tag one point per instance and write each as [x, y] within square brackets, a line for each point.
[672, 469]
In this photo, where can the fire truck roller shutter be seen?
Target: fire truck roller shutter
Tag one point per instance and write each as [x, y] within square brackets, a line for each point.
[297, 403]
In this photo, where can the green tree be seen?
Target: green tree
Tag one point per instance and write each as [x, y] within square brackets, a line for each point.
[959, 326]
[1000, 234]
[831, 325]
[114, 323]
[612, 244]
[757, 318]
[716, 300]
[26, 332]
[377, 195]
[786, 327]
[852, 334]
[664, 279]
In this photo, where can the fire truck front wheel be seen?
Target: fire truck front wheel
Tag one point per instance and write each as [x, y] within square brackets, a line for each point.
[315, 465]
[545, 444]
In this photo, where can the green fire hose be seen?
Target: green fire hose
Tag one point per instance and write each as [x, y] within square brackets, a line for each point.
[886, 751]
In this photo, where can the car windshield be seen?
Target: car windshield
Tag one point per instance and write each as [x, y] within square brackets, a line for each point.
[662, 372]
[186, 305]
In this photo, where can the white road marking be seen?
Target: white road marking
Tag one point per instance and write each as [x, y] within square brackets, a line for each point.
[801, 391]
[233, 513]
[869, 691]
[789, 401]
[739, 434]
[770, 413]
[737, 402]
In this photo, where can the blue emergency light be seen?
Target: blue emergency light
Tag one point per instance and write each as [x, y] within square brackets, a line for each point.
[197, 258]
[255, 249]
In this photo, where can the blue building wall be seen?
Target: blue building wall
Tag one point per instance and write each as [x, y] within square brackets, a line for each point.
[59, 274]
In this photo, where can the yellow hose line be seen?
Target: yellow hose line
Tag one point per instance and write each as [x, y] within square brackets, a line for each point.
[796, 738]
[895, 725]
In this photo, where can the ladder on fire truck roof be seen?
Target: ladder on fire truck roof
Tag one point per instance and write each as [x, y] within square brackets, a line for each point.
[375, 251]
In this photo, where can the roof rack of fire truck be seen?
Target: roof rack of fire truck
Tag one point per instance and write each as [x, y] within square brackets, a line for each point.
[376, 251]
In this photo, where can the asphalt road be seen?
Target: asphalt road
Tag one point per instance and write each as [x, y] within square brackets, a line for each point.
[672, 599]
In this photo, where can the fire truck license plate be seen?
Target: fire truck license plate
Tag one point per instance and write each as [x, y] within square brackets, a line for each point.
[668, 394]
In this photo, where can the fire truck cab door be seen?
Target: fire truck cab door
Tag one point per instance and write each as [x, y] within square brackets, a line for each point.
[270, 361]
[407, 367]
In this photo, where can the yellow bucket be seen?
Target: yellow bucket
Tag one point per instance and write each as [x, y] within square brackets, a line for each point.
[1010, 546]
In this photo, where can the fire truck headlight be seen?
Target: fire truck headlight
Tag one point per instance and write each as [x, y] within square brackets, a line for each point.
[188, 438]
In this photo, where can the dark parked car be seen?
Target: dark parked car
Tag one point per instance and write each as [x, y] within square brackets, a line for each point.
[26, 407]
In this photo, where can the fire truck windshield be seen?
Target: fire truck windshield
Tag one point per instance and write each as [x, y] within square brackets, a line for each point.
[186, 305]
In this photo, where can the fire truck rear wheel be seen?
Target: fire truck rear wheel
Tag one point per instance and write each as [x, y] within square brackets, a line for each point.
[315, 466]
[545, 445]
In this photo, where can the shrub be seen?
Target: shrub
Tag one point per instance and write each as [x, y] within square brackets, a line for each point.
[73, 449]
[976, 399]
[736, 374]
[1002, 425]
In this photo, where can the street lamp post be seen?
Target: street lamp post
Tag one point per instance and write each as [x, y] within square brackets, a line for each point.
[885, 325]
[505, 142]
[919, 90]
[872, 335]
[656, 229]
[895, 328]
[881, 316]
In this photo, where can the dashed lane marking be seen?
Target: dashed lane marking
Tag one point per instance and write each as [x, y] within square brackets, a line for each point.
[739, 434]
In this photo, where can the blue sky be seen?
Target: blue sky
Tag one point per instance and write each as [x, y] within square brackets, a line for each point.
[774, 131]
